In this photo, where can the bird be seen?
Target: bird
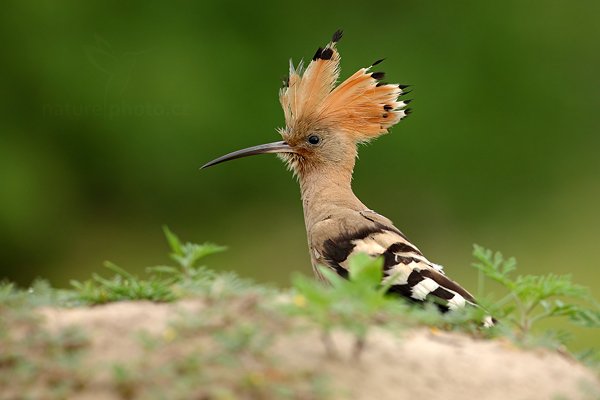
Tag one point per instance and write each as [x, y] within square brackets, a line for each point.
[324, 124]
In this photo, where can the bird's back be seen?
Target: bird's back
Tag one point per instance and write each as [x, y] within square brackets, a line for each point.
[345, 232]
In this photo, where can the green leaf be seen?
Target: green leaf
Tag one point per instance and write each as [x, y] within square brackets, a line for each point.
[493, 265]
[191, 253]
[586, 318]
[199, 251]
[118, 270]
[366, 270]
[332, 277]
[163, 269]
[173, 240]
[537, 288]
[313, 291]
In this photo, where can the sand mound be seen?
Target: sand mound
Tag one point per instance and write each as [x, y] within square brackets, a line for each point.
[414, 364]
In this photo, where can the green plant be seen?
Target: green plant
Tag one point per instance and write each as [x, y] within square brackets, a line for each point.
[123, 286]
[357, 303]
[189, 277]
[164, 283]
[40, 293]
[533, 298]
[353, 304]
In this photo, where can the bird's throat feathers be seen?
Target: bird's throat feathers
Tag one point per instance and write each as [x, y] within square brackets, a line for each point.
[335, 164]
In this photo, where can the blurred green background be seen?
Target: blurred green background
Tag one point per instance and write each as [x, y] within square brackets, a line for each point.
[108, 108]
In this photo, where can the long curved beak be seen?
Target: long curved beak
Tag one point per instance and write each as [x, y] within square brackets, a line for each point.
[275, 147]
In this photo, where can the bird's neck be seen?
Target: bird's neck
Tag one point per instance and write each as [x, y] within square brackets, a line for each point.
[327, 190]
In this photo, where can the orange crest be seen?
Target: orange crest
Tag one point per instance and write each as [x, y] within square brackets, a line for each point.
[361, 106]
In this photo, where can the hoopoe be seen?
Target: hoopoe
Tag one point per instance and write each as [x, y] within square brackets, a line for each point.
[324, 125]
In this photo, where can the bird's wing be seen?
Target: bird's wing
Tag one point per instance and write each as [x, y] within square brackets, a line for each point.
[405, 268]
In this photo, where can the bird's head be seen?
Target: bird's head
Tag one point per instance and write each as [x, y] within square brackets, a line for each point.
[325, 122]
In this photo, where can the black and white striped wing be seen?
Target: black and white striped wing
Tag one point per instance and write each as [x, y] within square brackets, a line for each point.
[409, 272]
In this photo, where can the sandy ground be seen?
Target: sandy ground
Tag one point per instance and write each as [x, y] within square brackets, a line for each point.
[417, 364]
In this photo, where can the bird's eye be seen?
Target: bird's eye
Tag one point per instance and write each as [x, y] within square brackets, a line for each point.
[314, 139]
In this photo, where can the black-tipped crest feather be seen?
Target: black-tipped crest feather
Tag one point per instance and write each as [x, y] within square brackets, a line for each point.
[337, 36]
